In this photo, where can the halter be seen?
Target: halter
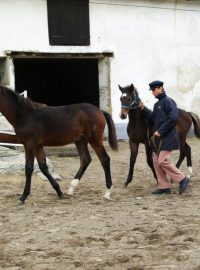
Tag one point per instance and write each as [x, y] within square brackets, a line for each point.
[134, 103]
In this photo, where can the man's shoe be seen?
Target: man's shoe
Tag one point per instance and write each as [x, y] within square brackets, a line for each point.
[161, 191]
[183, 184]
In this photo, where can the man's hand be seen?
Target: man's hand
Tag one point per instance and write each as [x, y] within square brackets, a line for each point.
[141, 105]
[157, 134]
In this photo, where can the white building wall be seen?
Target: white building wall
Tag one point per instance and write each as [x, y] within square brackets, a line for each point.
[150, 40]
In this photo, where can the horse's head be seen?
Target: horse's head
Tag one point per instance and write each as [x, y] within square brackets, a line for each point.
[129, 100]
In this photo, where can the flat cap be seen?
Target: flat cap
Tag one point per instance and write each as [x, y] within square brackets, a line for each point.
[155, 84]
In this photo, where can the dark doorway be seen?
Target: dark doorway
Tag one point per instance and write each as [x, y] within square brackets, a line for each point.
[58, 81]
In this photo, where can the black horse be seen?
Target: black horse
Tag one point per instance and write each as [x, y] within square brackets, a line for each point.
[140, 131]
[37, 125]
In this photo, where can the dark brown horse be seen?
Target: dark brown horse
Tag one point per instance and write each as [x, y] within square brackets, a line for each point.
[140, 131]
[37, 125]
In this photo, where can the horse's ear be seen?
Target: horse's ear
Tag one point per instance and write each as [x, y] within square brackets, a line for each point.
[120, 88]
[131, 88]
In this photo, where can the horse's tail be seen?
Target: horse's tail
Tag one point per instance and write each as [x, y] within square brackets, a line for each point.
[196, 123]
[112, 137]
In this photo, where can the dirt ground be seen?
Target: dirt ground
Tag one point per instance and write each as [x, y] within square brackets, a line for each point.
[135, 230]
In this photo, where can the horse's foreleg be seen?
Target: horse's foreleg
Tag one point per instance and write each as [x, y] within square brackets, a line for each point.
[134, 152]
[41, 158]
[105, 162]
[85, 159]
[29, 155]
[150, 159]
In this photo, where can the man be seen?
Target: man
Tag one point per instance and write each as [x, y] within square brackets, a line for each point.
[164, 117]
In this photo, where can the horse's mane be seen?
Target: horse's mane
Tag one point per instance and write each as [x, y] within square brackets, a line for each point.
[23, 102]
[136, 90]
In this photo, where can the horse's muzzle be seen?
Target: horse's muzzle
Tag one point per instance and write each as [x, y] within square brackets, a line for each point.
[123, 114]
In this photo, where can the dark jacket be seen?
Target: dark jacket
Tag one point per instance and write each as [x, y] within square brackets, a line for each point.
[164, 118]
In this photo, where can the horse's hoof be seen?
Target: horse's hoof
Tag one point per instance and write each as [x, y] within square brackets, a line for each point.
[70, 191]
[190, 170]
[73, 185]
[22, 200]
[22, 203]
[108, 193]
[107, 197]
[125, 184]
[61, 196]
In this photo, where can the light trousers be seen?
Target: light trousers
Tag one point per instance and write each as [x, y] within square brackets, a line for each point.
[163, 167]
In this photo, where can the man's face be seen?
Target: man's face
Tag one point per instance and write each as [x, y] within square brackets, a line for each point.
[157, 91]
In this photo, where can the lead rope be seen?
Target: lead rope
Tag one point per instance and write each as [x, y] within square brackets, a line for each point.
[156, 147]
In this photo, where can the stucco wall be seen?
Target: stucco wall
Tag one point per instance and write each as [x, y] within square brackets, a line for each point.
[150, 40]
[153, 40]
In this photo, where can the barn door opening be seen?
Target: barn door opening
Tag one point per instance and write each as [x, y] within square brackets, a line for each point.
[58, 81]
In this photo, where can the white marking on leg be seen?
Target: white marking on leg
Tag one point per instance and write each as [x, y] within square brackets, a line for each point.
[74, 183]
[108, 193]
[190, 170]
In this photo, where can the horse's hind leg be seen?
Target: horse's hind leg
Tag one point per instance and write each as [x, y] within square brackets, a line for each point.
[29, 155]
[182, 154]
[105, 162]
[134, 152]
[85, 159]
[189, 158]
[41, 159]
[185, 151]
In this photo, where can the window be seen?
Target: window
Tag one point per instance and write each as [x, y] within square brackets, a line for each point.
[68, 22]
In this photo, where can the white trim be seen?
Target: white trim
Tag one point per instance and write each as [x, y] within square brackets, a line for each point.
[11, 144]
[7, 132]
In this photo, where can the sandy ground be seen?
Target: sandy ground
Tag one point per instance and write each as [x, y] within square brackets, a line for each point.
[135, 230]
